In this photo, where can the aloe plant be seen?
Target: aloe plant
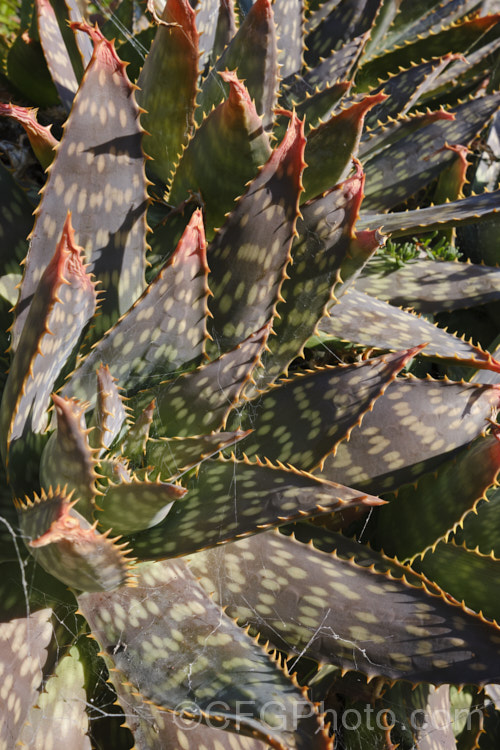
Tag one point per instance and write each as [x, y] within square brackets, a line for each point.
[235, 505]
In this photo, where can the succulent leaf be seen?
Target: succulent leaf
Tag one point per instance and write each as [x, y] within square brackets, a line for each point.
[256, 241]
[345, 21]
[56, 53]
[431, 640]
[41, 139]
[98, 176]
[205, 665]
[67, 545]
[318, 404]
[370, 322]
[109, 414]
[437, 503]
[164, 328]
[401, 439]
[252, 53]
[62, 305]
[169, 109]
[236, 498]
[223, 155]
[68, 458]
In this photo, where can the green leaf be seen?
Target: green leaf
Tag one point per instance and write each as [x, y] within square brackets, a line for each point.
[230, 499]
[468, 575]
[457, 38]
[338, 608]
[255, 244]
[98, 176]
[252, 53]
[27, 70]
[67, 459]
[390, 179]
[68, 547]
[199, 401]
[223, 155]
[422, 514]
[409, 431]
[324, 237]
[372, 323]
[168, 87]
[135, 505]
[459, 212]
[288, 19]
[17, 221]
[41, 139]
[204, 666]
[109, 415]
[303, 419]
[430, 286]
[479, 529]
[347, 20]
[165, 328]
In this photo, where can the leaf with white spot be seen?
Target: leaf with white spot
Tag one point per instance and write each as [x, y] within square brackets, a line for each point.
[163, 331]
[346, 20]
[64, 543]
[365, 320]
[176, 648]
[410, 431]
[167, 86]
[67, 459]
[63, 303]
[252, 52]
[175, 456]
[353, 608]
[431, 286]
[223, 155]
[301, 420]
[23, 644]
[200, 401]
[249, 255]
[134, 505]
[288, 19]
[98, 175]
[230, 498]
[109, 414]
[481, 530]
[422, 513]
[326, 163]
[59, 717]
[56, 53]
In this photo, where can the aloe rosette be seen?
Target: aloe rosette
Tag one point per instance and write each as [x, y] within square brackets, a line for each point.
[224, 458]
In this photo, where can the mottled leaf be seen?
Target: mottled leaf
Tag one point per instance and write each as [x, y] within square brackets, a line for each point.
[347, 20]
[252, 53]
[409, 431]
[345, 609]
[168, 86]
[324, 237]
[41, 139]
[481, 529]
[23, 644]
[314, 108]
[98, 174]
[63, 303]
[134, 443]
[456, 38]
[56, 53]
[109, 414]
[214, 388]
[326, 163]
[225, 29]
[432, 286]
[255, 243]
[16, 224]
[67, 458]
[288, 20]
[468, 575]
[163, 330]
[414, 161]
[223, 155]
[203, 664]
[59, 716]
[365, 320]
[135, 504]
[229, 499]
[66, 545]
[404, 223]
[301, 420]
[422, 514]
[174, 456]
